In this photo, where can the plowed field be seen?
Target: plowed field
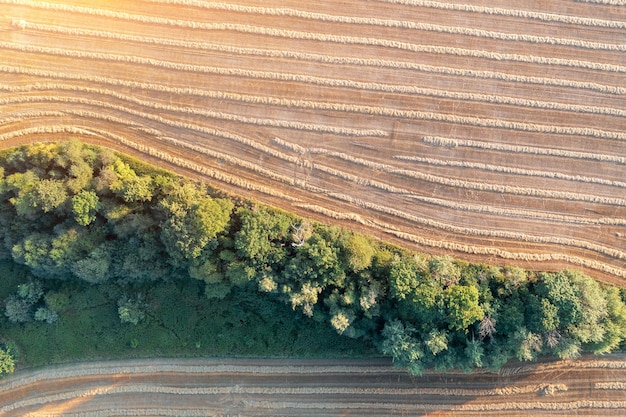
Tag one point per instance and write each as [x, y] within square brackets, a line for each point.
[489, 130]
[312, 388]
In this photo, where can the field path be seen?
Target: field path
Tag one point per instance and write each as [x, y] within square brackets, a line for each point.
[491, 130]
[257, 387]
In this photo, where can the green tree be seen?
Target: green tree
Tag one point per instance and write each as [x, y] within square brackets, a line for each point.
[46, 314]
[262, 235]
[316, 261]
[18, 310]
[131, 187]
[400, 343]
[95, 267]
[7, 362]
[614, 323]
[50, 195]
[193, 221]
[436, 341]
[19, 306]
[462, 307]
[359, 251]
[85, 205]
[445, 270]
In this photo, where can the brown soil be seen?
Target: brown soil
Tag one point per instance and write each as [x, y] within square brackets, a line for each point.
[312, 388]
[296, 106]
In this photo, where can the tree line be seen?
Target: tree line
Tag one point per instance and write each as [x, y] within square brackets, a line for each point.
[72, 212]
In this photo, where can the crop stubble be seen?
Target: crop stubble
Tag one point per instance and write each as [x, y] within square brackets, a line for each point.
[461, 128]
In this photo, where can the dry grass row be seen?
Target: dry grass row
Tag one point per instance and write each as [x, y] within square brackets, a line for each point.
[544, 405]
[264, 100]
[505, 254]
[316, 105]
[140, 367]
[459, 72]
[473, 407]
[268, 391]
[607, 2]
[525, 14]
[149, 116]
[472, 185]
[483, 208]
[132, 412]
[380, 111]
[503, 147]
[311, 127]
[42, 130]
[467, 231]
[402, 24]
[404, 89]
[511, 170]
[388, 88]
[610, 385]
[520, 213]
[329, 38]
[332, 214]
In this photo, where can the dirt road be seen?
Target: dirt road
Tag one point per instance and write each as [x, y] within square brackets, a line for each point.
[261, 387]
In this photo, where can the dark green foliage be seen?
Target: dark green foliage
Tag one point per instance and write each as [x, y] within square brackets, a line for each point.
[19, 307]
[131, 309]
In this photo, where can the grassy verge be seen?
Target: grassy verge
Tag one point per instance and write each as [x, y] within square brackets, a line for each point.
[181, 322]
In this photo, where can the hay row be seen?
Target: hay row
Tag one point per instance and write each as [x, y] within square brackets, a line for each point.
[607, 2]
[610, 385]
[48, 129]
[388, 88]
[511, 170]
[459, 72]
[248, 99]
[132, 412]
[507, 255]
[476, 250]
[329, 38]
[503, 147]
[496, 99]
[520, 213]
[401, 24]
[469, 231]
[182, 125]
[310, 127]
[332, 214]
[479, 186]
[141, 368]
[535, 405]
[525, 14]
[265, 391]
[543, 405]
[380, 111]
[444, 203]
